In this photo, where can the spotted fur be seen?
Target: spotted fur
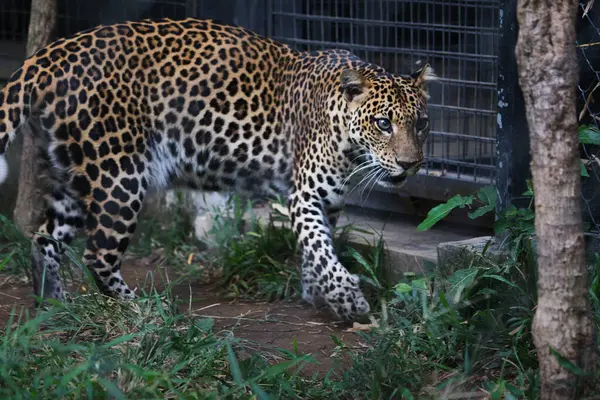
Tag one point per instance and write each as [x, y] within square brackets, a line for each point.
[140, 106]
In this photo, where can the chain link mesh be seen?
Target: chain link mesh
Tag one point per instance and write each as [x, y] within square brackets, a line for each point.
[588, 108]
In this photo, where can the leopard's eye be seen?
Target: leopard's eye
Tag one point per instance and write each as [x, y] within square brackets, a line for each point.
[383, 124]
[422, 124]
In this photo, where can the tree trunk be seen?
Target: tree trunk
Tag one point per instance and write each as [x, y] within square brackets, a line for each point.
[29, 208]
[548, 72]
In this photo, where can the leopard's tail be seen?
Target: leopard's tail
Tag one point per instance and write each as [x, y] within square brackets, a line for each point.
[15, 108]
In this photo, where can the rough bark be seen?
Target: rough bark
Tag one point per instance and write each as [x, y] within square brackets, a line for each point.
[548, 73]
[30, 203]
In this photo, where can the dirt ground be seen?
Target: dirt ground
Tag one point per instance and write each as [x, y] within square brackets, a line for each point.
[265, 326]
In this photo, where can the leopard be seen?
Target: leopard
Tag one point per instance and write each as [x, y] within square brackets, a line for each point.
[121, 111]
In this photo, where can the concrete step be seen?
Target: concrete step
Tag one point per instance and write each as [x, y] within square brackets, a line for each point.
[407, 250]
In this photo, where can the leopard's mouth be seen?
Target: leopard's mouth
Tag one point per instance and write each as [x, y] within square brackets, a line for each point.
[391, 181]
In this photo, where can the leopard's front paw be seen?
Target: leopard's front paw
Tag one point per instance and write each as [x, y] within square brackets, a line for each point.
[346, 298]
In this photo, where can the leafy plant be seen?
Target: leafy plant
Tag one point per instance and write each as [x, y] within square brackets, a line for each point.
[519, 222]
[474, 334]
[587, 135]
[485, 198]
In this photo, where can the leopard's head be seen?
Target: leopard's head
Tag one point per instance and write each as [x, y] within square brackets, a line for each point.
[388, 120]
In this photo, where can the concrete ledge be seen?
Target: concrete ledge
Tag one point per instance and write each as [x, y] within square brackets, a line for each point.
[452, 256]
[456, 255]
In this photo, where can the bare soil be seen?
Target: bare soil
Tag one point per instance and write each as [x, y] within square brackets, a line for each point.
[263, 326]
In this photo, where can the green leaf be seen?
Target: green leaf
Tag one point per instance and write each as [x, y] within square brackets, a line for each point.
[502, 279]
[482, 211]
[406, 394]
[487, 292]
[589, 134]
[513, 392]
[527, 215]
[566, 364]
[529, 191]
[498, 390]
[443, 300]
[260, 394]
[205, 324]
[236, 372]
[488, 196]
[280, 368]
[403, 288]
[361, 260]
[366, 279]
[467, 361]
[336, 341]
[111, 388]
[120, 339]
[420, 284]
[460, 280]
[6, 260]
[73, 372]
[582, 169]
[436, 214]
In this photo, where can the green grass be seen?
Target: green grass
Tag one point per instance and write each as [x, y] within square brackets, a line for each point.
[96, 347]
[257, 259]
[15, 253]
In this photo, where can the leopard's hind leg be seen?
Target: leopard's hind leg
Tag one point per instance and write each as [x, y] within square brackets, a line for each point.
[63, 218]
[110, 223]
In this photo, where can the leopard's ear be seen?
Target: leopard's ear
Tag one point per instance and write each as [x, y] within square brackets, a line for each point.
[355, 86]
[422, 76]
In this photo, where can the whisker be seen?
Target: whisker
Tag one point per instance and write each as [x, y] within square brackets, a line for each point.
[363, 154]
[381, 176]
[367, 161]
[373, 176]
[367, 176]
[360, 167]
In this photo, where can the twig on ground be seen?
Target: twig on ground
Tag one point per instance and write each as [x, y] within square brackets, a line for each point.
[10, 295]
[240, 318]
